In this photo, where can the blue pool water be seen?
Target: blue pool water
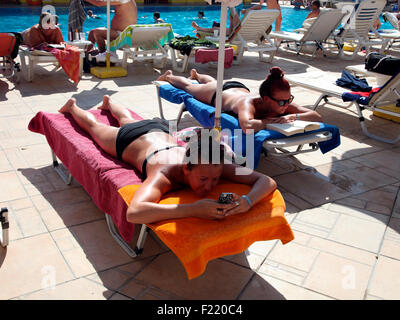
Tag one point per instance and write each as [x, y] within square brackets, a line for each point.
[181, 17]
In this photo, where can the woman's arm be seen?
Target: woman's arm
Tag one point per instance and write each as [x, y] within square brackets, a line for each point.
[144, 207]
[262, 186]
[296, 112]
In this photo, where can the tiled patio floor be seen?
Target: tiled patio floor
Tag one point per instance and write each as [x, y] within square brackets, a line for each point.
[344, 206]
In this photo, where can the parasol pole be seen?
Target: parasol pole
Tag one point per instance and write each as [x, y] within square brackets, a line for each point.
[108, 35]
[220, 70]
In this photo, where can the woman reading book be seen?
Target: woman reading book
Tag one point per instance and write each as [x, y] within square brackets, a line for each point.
[273, 104]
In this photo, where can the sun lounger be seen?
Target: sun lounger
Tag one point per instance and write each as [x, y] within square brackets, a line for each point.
[319, 31]
[9, 44]
[111, 184]
[31, 58]
[389, 94]
[357, 28]
[144, 42]
[251, 35]
[325, 139]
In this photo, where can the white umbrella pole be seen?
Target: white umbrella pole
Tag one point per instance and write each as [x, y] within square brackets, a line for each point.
[108, 35]
[221, 62]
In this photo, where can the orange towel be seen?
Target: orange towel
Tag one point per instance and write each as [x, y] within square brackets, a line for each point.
[196, 241]
[69, 60]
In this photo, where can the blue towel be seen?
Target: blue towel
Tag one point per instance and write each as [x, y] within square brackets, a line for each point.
[205, 113]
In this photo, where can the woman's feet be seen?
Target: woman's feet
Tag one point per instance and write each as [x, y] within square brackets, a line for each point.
[66, 108]
[106, 103]
[164, 77]
[194, 75]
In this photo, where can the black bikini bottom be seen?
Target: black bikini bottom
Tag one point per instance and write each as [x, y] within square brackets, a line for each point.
[134, 130]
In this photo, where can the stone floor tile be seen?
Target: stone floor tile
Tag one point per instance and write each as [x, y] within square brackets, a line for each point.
[391, 242]
[338, 278]
[319, 189]
[358, 233]
[80, 289]
[294, 255]
[10, 186]
[342, 250]
[383, 161]
[89, 248]
[317, 221]
[29, 222]
[46, 266]
[386, 281]
[221, 279]
[263, 287]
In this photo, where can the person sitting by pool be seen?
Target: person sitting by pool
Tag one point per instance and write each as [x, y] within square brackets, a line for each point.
[271, 4]
[274, 104]
[315, 10]
[91, 15]
[125, 15]
[157, 19]
[149, 147]
[43, 33]
[234, 21]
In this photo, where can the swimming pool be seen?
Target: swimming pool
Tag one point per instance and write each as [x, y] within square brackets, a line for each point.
[181, 17]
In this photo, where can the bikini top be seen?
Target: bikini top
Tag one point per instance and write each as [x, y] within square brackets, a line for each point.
[144, 171]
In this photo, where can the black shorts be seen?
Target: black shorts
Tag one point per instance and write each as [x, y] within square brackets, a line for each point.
[134, 130]
[228, 85]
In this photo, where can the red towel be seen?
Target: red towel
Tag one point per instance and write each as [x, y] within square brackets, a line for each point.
[69, 61]
[207, 55]
[100, 174]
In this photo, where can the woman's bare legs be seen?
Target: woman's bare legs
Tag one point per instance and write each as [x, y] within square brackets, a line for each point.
[104, 135]
[120, 113]
[201, 78]
[202, 92]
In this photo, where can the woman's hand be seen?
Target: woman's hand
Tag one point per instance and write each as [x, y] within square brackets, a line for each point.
[242, 205]
[211, 209]
[287, 118]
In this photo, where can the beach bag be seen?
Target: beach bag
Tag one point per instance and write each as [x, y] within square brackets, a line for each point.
[383, 64]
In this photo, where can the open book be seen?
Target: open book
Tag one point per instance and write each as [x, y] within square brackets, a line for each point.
[297, 126]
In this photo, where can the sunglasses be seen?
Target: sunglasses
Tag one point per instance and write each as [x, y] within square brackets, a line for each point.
[283, 102]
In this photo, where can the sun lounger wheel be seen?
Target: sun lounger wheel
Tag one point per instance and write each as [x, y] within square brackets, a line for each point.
[4, 226]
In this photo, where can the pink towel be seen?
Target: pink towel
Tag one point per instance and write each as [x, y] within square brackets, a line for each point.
[100, 174]
[207, 55]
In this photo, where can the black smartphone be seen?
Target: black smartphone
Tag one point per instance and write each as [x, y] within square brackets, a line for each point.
[225, 197]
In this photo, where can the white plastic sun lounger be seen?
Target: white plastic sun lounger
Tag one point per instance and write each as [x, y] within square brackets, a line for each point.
[143, 43]
[359, 69]
[358, 26]
[388, 94]
[253, 27]
[316, 34]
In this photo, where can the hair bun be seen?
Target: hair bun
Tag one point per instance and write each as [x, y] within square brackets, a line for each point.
[276, 72]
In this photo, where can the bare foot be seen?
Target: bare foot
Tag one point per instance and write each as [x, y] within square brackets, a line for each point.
[106, 103]
[66, 108]
[195, 25]
[193, 75]
[164, 76]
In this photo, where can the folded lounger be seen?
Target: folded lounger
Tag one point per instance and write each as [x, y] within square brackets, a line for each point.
[387, 96]
[326, 138]
[112, 183]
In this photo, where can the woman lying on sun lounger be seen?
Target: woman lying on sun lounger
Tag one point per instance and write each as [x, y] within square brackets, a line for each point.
[272, 105]
[149, 147]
